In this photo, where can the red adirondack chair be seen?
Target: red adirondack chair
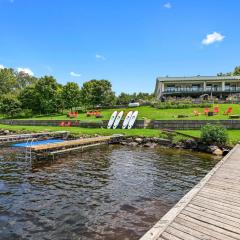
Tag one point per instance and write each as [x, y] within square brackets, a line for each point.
[228, 111]
[76, 123]
[216, 110]
[62, 124]
[206, 111]
[68, 124]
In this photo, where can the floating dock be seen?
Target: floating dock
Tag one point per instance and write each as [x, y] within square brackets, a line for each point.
[21, 137]
[211, 210]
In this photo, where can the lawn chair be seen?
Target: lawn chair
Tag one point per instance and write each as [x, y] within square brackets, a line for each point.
[206, 111]
[76, 123]
[89, 114]
[98, 115]
[228, 111]
[68, 124]
[62, 124]
[216, 110]
[196, 113]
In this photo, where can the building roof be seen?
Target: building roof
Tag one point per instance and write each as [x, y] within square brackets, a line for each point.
[198, 78]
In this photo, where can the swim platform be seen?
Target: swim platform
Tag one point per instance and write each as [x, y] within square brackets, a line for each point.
[36, 143]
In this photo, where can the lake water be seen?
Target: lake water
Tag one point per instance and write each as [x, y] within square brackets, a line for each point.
[110, 192]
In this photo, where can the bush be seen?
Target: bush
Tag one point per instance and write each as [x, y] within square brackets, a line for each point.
[214, 134]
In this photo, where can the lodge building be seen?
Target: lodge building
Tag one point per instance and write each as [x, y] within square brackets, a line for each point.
[196, 86]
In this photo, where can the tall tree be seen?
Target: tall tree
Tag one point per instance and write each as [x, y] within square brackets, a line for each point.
[48, 94]
[8, 81]
[236, 71]
[10, 105]
[30, 99]
[23, 80]
[71, 95]
[97, 92]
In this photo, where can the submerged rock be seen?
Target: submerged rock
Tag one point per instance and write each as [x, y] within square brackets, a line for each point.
[150, 145]
[133, 144]
[217, 152]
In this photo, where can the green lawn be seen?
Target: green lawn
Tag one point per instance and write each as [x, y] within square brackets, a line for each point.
[146, 112]
[86, 131]
[234, 135]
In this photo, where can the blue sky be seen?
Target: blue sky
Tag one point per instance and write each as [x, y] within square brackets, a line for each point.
[129, 42]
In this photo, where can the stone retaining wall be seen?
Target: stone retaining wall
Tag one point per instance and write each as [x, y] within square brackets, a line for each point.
[156, 124]
[192, 124]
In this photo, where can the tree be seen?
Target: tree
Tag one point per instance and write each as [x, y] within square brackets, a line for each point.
[236, 71]
[30, 99]
[124, 98]
[7, 81]
[71, 95]
[97, 92]
[10, 105]
[23, 80]
[47, 90]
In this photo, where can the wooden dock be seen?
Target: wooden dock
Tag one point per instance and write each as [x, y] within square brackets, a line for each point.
[211, 210]
[69, 144]
[21, 137]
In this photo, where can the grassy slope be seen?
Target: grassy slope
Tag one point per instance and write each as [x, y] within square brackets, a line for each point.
[86, 131]
[153, 113]
[234, 135]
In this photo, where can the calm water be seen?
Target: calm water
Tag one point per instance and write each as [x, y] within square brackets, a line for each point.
[110, 192]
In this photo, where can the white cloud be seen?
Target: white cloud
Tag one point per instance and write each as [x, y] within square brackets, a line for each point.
[73, 74]
[1, 66]
[25, 70]
[98, 56]
[212, 38]
[167, 5]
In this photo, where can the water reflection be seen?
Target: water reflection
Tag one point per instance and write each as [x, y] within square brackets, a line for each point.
[110, 192]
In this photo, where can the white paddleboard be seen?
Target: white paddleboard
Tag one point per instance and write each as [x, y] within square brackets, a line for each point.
[112, 119]
[118, 119]
[132, 119]
[127, 119]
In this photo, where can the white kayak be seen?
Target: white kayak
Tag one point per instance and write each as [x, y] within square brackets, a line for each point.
[112, 119]
[132, 119]
[118, 119]
[127, 119]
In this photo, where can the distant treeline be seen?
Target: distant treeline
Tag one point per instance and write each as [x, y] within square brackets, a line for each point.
[22, 94]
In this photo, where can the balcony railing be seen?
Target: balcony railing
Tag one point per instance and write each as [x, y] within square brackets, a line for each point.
[201, 90]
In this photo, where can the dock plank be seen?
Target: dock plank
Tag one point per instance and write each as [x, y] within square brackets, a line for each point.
[211, 210]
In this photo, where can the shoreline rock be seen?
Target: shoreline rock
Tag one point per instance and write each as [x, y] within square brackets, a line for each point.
[190, 144]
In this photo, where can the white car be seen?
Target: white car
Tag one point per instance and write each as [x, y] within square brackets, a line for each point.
[135, 104]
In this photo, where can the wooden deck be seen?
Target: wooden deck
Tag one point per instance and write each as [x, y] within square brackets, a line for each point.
[211, 210]
[69, 144]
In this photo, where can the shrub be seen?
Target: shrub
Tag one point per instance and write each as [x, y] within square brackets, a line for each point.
[214, 134]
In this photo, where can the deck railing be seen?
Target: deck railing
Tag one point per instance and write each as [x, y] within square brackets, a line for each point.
[201, 90]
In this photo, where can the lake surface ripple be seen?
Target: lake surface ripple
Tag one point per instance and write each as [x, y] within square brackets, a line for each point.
[110, 192]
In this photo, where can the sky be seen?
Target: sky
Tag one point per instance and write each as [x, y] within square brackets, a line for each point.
[129, 42]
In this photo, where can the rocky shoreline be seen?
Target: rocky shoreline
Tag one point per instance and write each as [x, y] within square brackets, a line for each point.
[151, 142]
[190, 144]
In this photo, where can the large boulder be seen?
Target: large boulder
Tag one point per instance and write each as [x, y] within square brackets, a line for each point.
[217, 152]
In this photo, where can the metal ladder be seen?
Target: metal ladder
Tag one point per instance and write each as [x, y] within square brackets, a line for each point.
[26, 154]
